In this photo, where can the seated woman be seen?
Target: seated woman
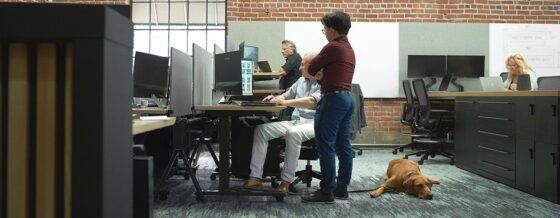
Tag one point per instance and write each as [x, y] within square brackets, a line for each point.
[516, 65]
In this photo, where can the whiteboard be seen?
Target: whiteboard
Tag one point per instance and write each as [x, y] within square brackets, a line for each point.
[538, 43]
[376, 46]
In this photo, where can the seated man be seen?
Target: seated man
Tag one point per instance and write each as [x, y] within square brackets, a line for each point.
[302, 95]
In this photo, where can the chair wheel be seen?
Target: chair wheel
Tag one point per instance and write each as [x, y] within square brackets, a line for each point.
[360, 152]
[452, 162]
[432, 155]
[394, 151]
[401, 149]
[279, 198]
[418, 155]
[420, 162]
[162, 195]
[405, 157]
[213, 177]
[274, 183]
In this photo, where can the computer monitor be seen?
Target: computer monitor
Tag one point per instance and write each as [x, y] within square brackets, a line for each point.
[251, 52]
[420, 66]
[247, 66]
[181, 83]
[227, 72]
[465, 66]
[150, 75]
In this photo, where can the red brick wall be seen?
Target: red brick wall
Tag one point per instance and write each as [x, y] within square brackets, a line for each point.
[444, 11]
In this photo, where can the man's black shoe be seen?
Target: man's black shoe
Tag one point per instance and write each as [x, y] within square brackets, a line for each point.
[341, 193]
[319, 198]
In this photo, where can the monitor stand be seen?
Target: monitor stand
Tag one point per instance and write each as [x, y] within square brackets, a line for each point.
[444, 83]
[431, 83]
[459, 86]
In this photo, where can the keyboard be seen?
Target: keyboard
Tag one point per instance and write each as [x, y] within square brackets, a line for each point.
[256, 103]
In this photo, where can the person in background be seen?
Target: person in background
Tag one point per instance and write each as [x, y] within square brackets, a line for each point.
[516, 65]
[289, 72]
[303, 95]
[334, 111]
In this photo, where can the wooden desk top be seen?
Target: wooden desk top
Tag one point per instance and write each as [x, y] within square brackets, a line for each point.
[150, 110]
[493, 94]
[231, 107]
[268, 91]
[142, 126]
[266, 74]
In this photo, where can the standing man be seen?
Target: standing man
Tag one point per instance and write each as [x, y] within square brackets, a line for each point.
[289, 71]
[334, 111]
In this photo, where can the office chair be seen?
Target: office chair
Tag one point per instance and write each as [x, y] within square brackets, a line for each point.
[182, 126]
[436, 129]
[504, 76]
[308, 152]
[549, 83]
[202, 135]
[407, 118]
[357, 116]
[524, 82]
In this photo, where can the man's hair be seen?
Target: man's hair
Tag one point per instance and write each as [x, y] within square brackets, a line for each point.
[291, 44]
[339, 21]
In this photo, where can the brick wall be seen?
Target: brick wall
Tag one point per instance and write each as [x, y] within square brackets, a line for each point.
[444, 11]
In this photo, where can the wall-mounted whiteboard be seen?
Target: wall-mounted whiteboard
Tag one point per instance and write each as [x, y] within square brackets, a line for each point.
[376, 46]
[538, 43]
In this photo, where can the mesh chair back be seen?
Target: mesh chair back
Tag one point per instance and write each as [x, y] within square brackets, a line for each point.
[423, 112]
[407, 116]
[504, 76]
[549, 83]
[524, 82]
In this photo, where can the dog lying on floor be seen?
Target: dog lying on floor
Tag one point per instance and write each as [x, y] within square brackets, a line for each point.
[404, 176]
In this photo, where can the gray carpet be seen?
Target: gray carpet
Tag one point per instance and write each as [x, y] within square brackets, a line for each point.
[461, 194]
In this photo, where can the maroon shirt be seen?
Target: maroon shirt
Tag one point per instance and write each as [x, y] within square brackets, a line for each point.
[337, 61]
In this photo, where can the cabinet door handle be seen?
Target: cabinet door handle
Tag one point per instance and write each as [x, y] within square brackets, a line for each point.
[531, 153]
[532, 109]
[553, 158]
[553, 110]
[493, 134]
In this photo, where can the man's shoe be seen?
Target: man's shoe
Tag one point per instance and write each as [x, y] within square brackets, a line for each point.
[253, 184]
[283, 187]
[341, 193]
[319, 198]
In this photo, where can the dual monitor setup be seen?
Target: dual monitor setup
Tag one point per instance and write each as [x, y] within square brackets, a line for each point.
[447, 67]
[161, 81]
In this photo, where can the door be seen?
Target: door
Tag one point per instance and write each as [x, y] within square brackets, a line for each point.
[465, 125]
[525, 165]
[525, 111]
[547, 120]
[546, 171]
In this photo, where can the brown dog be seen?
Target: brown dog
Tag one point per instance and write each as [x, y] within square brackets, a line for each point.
[404, 176]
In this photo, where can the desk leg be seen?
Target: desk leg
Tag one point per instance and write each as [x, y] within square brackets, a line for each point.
[225, 144]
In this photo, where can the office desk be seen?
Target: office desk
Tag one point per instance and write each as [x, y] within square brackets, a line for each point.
[509, 137]
[270, 75]
[142, 126]
[224, 114]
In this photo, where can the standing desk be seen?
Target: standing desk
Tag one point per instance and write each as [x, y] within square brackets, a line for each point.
[509, 137]
[224, 114]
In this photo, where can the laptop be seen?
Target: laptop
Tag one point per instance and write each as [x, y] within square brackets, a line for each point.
[492, 84]
[264, 66]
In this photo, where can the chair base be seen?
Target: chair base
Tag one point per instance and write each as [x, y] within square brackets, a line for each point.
[307, 175]
[432, 152]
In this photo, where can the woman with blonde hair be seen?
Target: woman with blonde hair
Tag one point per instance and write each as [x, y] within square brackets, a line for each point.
[516, 65]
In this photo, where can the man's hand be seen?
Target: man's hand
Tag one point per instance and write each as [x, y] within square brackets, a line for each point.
[282, 72]
[268, 98]
[279, 102]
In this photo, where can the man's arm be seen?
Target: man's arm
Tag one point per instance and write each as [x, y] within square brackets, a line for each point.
[305, 102]
[324, 58]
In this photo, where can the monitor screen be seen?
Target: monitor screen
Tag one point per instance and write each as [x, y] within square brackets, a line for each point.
[150, 75]
[227, 72]
[247, 77]
[250, 52]
[420, 66]
[465, 66]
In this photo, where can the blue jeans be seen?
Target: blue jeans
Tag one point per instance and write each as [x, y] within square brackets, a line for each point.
[332, 137]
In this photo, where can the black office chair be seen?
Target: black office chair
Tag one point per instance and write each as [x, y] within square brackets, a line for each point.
[524, 82]
[549, 83]
[308, 152]
[407, 118]
[434, 127]
[504, 76]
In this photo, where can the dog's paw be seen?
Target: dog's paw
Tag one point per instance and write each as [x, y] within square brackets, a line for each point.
[374, 194]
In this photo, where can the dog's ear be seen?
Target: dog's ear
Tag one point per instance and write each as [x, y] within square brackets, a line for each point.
[433, 181]
[408, 185]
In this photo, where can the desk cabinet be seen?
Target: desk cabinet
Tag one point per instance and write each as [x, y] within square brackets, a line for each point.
[512, 140]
